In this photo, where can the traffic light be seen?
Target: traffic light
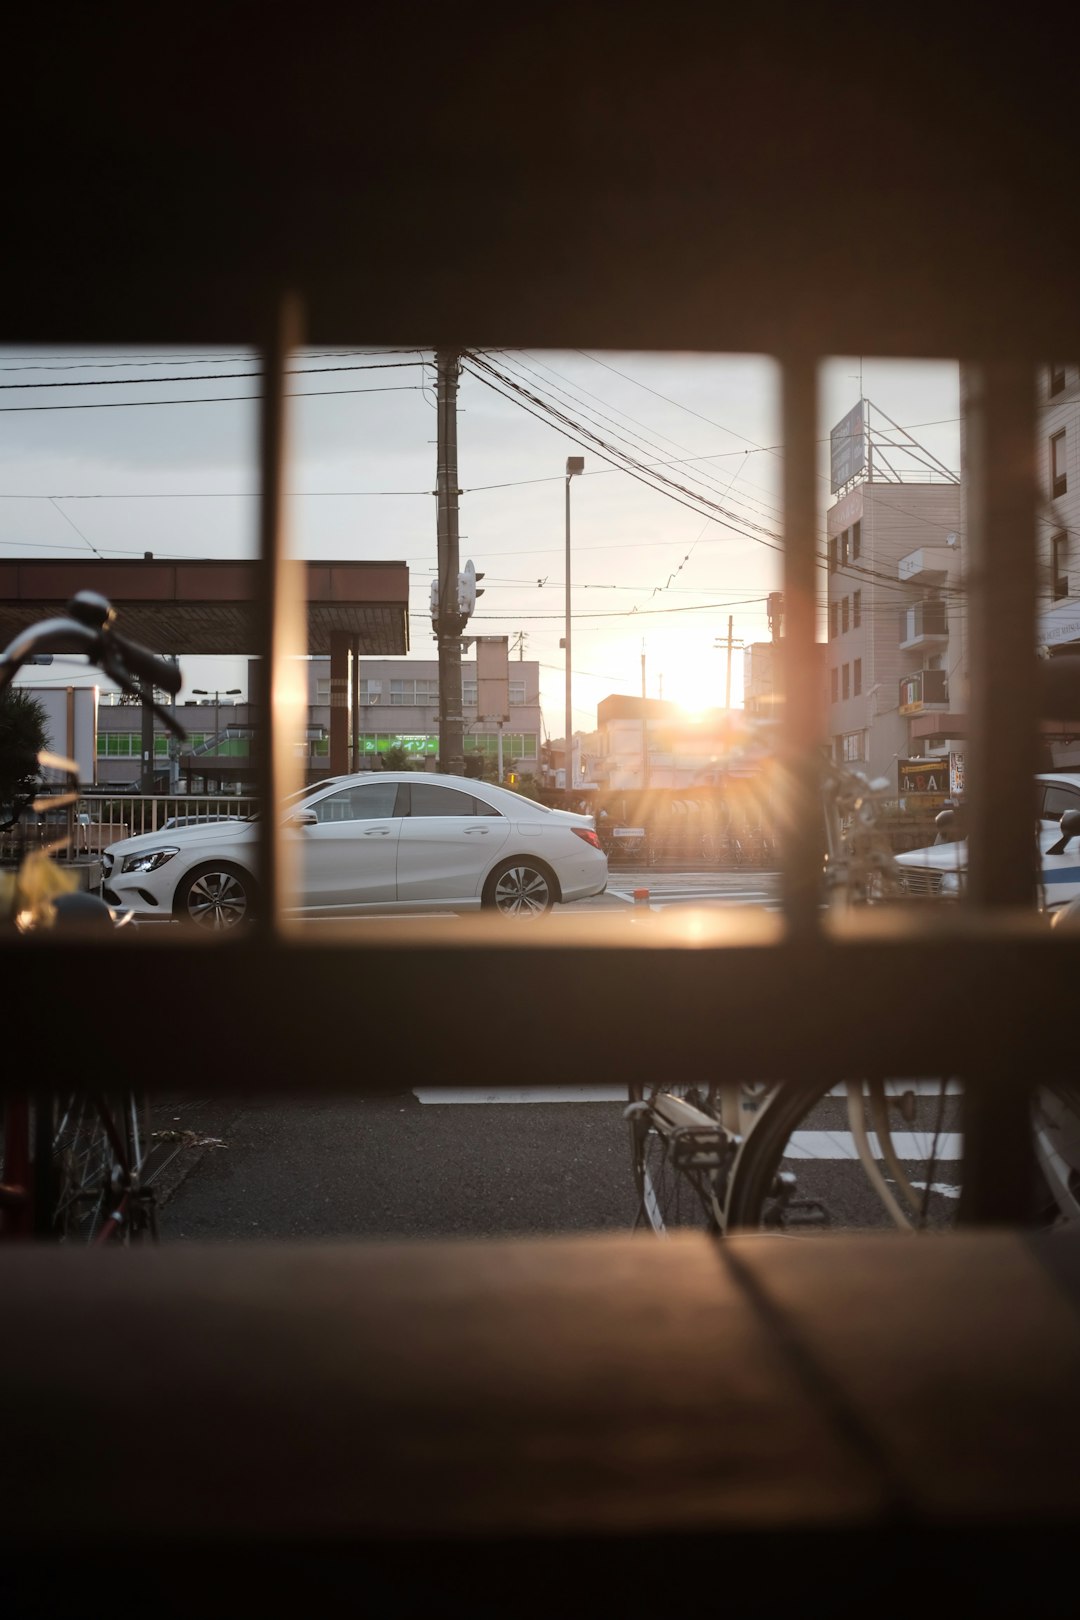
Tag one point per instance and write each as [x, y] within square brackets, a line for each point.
[467, 590]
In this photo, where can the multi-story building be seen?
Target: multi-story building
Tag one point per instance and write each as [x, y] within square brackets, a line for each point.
[895, 623]
[399, 705]
[1058, 533]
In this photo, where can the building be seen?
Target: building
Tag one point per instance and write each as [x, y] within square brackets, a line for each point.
[399, 706]
[895, 634]
[1058, 464]
[651, 743]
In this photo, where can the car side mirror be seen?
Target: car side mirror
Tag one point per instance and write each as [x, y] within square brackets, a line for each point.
[301, 818]
[1070, 828]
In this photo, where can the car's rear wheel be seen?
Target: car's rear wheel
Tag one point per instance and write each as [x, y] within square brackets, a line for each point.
[520, 887]
[216, 898]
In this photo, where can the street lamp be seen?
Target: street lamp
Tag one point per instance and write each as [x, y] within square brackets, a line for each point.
[574, 465]
[231, 691]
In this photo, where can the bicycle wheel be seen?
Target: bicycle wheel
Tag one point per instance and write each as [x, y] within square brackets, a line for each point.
[800, 1169]
[677, 1161]
[90, 1152]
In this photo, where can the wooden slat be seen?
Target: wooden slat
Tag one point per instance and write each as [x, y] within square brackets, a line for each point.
[673, 994]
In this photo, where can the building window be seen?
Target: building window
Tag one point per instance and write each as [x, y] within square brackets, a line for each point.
[832, 554]
[856, 610]
[845, 680]
[370, 693]
[834, 680]
[845, 540]
[1059, 566]
[834, 608]
[1058, 481]
[856, 539]
[517, 694]
[856, 676]
[322, 689]
[1057, 379]
[410, 694]
[852, 747]
[845, 618]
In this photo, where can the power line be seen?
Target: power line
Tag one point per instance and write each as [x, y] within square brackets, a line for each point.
[223, 494]
[694, 500]
[79, 532]
[213, 399]
[213, 376]
[617, 458]
[115, 362]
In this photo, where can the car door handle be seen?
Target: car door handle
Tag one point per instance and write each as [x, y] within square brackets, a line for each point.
[370, 832]
[477, 829]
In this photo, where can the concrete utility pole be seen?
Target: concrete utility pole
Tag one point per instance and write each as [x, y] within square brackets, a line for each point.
[574, 466]
[729, 642]
[644, 726]
[450, 620]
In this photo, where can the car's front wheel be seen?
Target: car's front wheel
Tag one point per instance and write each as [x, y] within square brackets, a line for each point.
[520, 888]
[216, 898]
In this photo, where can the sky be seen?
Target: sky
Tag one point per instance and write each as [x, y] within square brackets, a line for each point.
[159, 454]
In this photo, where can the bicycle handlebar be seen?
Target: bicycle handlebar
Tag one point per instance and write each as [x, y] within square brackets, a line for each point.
[89, 627]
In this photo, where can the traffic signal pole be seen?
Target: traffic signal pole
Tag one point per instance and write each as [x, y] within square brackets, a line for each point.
[450, 621]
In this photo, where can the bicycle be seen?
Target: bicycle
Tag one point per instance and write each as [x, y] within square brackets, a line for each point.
[877, 1151]
[74, 1163]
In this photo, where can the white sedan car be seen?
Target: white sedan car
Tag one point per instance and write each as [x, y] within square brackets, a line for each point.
[940, 870]
[380, 842]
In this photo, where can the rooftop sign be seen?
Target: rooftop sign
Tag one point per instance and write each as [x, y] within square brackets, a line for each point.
[847, 448]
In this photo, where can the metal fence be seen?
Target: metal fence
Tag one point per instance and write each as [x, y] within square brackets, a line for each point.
[99, 819]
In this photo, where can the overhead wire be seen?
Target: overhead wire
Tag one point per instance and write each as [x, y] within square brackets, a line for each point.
[212, 399]
[212, 376]
[546, 410]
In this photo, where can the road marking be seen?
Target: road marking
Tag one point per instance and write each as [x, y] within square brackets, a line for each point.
[910, 1147]
[689, 896]
[921, 1088]
[520, 1094]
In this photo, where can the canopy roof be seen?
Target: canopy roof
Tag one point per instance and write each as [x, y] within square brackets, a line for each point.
[204, 607]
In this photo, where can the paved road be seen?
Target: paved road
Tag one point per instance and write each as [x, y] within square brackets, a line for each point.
[425, 1163]
[398, 1167]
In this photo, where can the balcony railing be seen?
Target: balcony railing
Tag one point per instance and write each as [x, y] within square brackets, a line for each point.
[924, 690]
[923, 622]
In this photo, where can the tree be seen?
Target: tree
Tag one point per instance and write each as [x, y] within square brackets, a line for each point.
[397, 758]
[24, 732]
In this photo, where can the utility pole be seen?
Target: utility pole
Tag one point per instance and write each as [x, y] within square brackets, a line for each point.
[450, 622]
[775, 608]
[727, 681]
[729, 642]
[644, 726]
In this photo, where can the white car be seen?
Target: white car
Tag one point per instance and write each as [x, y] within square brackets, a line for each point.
[940, 870]
[382, 841]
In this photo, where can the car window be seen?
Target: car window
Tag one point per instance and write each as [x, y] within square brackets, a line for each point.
[370, 801]
[1057, 800]
[432, 799]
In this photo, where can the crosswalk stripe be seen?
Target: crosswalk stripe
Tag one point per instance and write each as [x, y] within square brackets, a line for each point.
[520, 1094]
[911, 1147]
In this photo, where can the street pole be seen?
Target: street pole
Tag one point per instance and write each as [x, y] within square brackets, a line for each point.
[451, 623]
[730, 643]
[644, 726]
[574, 465]
[727, 683]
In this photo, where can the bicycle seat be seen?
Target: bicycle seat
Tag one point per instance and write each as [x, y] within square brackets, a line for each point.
[81, 911]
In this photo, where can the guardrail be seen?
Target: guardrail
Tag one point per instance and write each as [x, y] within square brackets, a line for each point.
[99, 819]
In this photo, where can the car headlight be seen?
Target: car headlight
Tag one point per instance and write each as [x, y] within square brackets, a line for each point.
[950, 884]
[107, 862]
[148, 860]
